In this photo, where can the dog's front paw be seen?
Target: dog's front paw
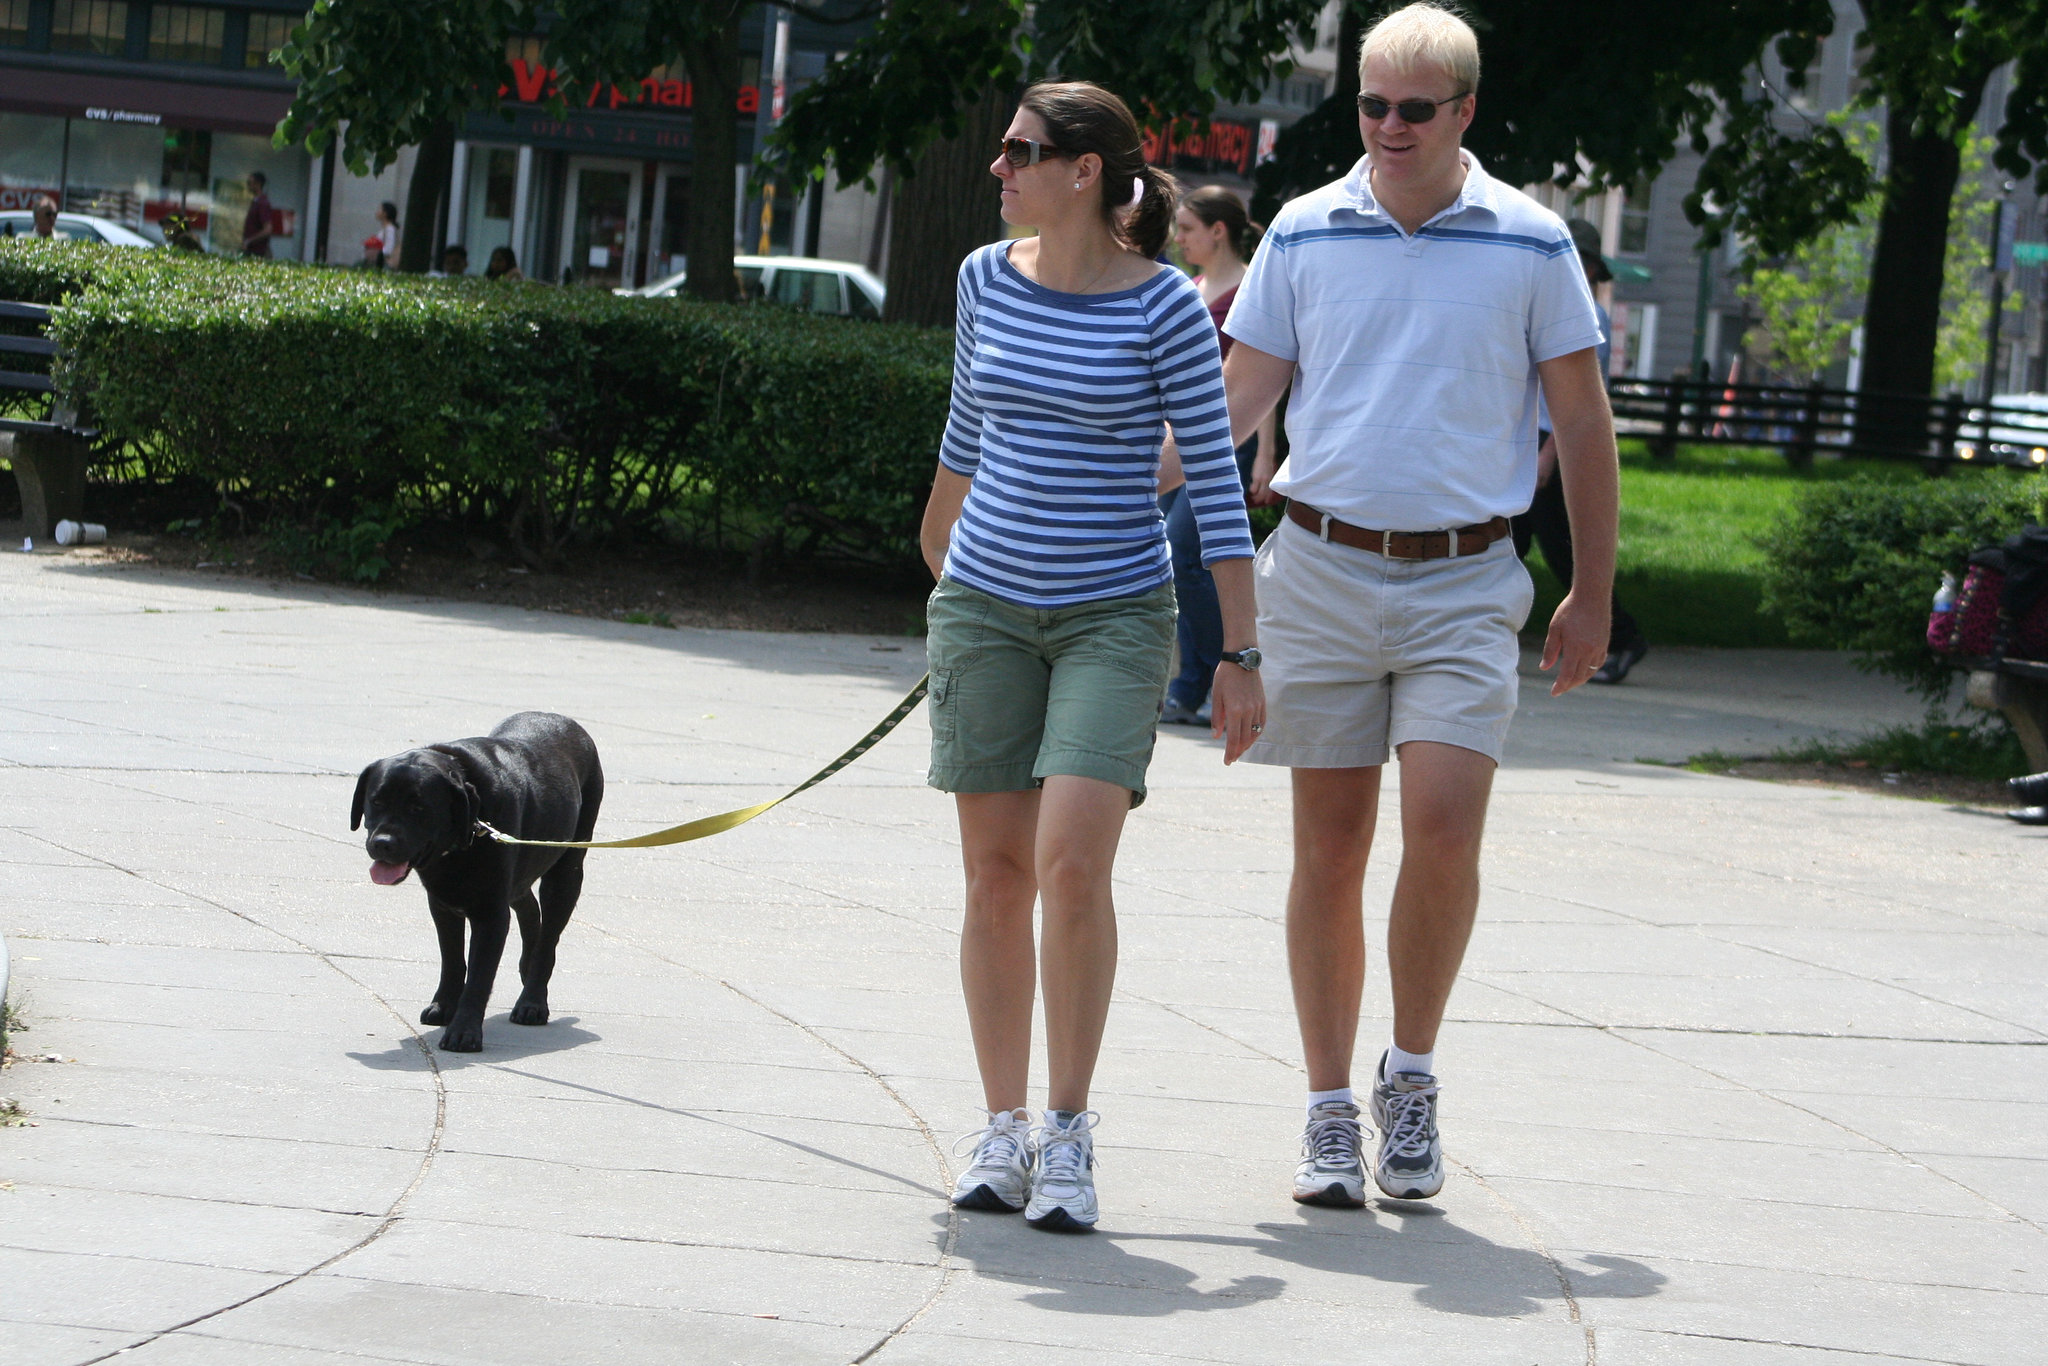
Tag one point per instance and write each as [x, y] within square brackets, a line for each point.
[462, 1038]
[530, 1013]
[437, 1012]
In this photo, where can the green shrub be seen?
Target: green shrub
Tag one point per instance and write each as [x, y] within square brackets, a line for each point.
[1854, 565]
[327, 397]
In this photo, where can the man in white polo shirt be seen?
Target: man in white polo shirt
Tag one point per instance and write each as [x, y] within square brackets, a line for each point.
[1414, 306]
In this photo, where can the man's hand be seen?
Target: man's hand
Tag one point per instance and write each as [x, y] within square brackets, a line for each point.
[1577, 644]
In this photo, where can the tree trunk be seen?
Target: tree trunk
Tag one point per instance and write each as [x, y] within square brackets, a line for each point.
[431, 167]
[714, 66]
[1902, 312]
[946, 210]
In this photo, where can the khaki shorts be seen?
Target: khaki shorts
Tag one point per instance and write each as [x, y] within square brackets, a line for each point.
[1021, 693]
[1363, 653]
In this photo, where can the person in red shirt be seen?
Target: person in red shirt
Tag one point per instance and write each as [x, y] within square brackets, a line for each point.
[256, 222]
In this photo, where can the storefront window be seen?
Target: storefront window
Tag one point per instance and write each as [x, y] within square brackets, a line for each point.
[187, 33]
[99, 26]
[234, 156]
[31, 149]
[14, 23]
[113, 169]
[267, 33]
[182, 178]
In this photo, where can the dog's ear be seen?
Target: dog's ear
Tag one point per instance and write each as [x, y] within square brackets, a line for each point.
[355, 811]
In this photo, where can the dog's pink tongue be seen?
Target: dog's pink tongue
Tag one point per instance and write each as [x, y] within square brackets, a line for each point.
[389, 874]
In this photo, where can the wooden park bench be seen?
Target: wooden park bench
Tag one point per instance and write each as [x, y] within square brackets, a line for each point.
[48, 454]
[2019, 689]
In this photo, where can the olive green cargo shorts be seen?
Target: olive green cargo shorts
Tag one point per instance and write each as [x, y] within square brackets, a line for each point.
[1021, 693]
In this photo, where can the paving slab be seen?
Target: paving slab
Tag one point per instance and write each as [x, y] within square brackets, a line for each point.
[1739, 1073]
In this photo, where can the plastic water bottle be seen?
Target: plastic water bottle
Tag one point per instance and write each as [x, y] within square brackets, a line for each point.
[1945, 596]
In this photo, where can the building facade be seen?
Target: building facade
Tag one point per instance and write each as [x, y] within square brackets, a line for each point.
[139, 111]
[136, 111]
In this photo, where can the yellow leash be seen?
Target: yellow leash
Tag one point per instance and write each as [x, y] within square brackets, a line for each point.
[719, 824]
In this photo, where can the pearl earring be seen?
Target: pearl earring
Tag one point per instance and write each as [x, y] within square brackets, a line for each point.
[1077, 184]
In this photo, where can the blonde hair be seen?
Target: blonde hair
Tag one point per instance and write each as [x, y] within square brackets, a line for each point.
[1424, 35]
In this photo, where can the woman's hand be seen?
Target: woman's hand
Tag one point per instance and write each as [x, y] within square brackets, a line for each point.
[1237, 709]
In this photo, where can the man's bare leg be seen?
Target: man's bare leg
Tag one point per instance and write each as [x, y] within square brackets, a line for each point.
[1444, 790]
[1334, 813]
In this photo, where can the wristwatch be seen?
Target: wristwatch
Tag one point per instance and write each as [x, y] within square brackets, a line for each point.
[1247, 659]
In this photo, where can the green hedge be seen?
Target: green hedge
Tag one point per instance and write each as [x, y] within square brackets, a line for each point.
[1854, 565]
[548, 413]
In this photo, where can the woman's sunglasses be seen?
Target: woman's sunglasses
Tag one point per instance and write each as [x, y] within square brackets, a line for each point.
[1412, 111]
[1022, 152]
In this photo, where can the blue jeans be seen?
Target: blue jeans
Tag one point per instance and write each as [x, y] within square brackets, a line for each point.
[1200, 628]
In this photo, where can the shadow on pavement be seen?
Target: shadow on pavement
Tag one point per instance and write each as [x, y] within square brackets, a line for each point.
[503, 1042]
[1453, 1270]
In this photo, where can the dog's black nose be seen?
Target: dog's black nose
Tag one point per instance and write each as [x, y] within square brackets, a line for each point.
[383, 846]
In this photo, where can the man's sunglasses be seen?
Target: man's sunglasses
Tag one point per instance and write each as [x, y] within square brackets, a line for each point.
[1412, 111]
[1022, 152]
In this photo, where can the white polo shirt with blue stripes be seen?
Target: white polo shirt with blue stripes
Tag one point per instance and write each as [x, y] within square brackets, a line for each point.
[1414, 401]
[1060, 405]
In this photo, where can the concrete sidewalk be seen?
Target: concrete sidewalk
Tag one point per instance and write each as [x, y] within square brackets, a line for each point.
[1739, 1073]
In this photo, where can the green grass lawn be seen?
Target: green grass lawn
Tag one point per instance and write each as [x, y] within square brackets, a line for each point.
[1690, 569]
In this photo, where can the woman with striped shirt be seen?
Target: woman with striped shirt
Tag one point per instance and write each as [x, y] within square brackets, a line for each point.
[1052, 624]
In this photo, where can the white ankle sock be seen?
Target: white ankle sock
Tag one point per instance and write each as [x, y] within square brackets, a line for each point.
[1342, 1093]
[1399, 1060]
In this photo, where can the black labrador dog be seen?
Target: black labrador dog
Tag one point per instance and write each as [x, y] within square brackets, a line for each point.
[536, 777]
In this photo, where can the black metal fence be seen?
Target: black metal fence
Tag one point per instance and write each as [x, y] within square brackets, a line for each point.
[1803, 422]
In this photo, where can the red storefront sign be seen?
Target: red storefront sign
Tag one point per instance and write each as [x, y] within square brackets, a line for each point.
[533, 84]
[1223, 146]
[24, 196]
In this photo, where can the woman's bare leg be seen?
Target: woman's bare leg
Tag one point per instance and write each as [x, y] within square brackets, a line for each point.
[998, 835]
[1080, 821]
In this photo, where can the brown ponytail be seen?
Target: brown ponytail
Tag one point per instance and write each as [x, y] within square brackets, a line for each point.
[1081, 117]
[1214, 204]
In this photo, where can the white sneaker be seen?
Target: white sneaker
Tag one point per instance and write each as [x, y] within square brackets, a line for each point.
[1411, 1158]
[1332, 1172]
[1063, 1173]
[999, 1177]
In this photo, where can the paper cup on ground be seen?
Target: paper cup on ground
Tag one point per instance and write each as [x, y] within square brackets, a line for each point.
[80, 533]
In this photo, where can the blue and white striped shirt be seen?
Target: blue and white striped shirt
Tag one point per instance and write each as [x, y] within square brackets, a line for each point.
[1060, 403]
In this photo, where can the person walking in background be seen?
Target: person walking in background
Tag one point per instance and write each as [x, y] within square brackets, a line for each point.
[1216, 237]
[1546, 522]
[256, 222]
[1052, 623]
[380, 249]
[1414, 306]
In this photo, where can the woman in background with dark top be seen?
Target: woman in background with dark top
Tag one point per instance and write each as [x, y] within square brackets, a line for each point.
[503, 265]
[1216, 237]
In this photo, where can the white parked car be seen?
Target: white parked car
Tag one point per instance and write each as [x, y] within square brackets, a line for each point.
[2019, 433]
[843, 288]
[76, 227]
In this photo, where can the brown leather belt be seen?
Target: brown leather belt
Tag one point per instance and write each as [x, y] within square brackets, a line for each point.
[1400, 545]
